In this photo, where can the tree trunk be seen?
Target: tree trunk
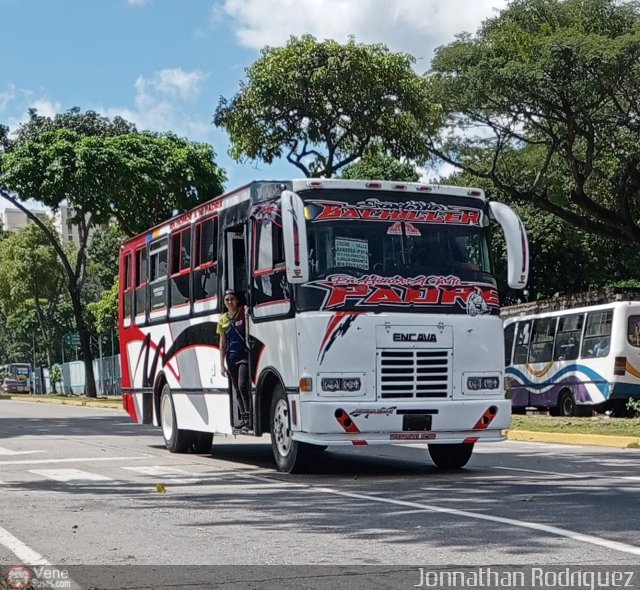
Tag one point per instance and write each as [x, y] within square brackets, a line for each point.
[85, 344]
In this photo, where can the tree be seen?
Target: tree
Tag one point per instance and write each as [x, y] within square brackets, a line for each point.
[31, 274]
[377, 165]
[103, 254]
[543, 102]
[103, 169]
[321, 104]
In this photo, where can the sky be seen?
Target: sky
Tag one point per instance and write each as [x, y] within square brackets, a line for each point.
[164, 64]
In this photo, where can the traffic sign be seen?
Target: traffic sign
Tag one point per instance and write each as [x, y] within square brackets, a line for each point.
[72, 339]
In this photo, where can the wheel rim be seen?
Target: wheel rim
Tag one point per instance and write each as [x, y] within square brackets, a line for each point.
[281, 431]
[166, 412]
[567, 406]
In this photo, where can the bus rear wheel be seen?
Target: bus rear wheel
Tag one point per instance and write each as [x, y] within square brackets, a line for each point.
[289, 455]
[451, 456]
[176, 440]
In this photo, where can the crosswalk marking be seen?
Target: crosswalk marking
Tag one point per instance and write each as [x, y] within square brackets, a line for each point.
[71, 476]
[72, 460]
[5, 451]
[167, 474]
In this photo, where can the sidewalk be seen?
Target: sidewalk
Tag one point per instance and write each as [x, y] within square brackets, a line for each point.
[621, 442]
[114, 402]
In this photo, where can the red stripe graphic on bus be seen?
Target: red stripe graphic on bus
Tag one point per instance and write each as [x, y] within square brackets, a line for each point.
[349, 425]
[337, 327]
[486, 418]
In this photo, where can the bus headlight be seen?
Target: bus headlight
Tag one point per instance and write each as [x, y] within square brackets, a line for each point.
[331, 384]
[343, 385]
[481, 383]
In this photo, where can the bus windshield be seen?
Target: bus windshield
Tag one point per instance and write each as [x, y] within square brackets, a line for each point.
[398, 249]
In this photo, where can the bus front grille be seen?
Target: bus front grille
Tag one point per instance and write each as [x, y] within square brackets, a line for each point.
[411, 374]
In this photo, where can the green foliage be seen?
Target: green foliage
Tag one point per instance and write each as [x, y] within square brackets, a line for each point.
[103, 254]
[376, 165]
[546, 94]
[105, 311]
[320, 104]
[104, 172]
[103, 169]
[633, 407]
[55, 375]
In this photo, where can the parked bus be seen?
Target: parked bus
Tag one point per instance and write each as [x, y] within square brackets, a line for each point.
[576, 358]
[16, 378]
[373, 318]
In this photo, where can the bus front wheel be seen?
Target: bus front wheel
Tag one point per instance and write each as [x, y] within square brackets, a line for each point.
[566, 405]
[451, 456]
[288, 454]
[176, 440]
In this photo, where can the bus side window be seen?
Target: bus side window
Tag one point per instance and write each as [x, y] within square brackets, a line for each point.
[520, 351]
[633, 330]
[268, 282]
[140, 284]
[509, 333]
[567, 346]
[180, 267]
[597, 334]
[205, 274]
[127, 291]
[541, 347]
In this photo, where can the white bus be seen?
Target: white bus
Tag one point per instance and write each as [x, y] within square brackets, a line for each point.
[577, 358]
[16, 378]
[373, 318]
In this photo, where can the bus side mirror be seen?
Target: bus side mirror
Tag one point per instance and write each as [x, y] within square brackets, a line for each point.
[517, 244]
[294, 230]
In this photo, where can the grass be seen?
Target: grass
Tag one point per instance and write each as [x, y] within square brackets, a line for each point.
[599, 424]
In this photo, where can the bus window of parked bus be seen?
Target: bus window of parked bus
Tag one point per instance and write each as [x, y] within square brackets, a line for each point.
[509, 332]
[523, 332]
[180, 267]
[541, 347]
[205, 274]
[597, 334]
[567, 347]
[633, 333]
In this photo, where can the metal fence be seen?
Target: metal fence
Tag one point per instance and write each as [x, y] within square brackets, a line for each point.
[106, 371]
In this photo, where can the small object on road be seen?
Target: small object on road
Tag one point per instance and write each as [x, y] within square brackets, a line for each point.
[160, 488]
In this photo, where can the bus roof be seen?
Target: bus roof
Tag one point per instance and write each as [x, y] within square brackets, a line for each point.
[578, 300]
[296, 185]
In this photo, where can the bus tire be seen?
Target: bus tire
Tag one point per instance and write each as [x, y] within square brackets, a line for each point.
[450, 456]
[177, 441]
[566, 405]
[289, 455]
[202, 442]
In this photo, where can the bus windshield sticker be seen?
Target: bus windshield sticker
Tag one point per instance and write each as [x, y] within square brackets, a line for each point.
[352, 252]
[411, 211]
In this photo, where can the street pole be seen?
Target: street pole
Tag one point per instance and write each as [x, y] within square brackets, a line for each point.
[100, 364]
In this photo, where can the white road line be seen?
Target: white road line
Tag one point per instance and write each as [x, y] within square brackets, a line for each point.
[74, 460]
[32, 558]
[166, 474]
[552, 530]
[71, 476]
[4, 451]
[586, 475]
[24, 553]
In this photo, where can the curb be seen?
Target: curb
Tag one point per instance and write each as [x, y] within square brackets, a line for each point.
[116, 404]
[604, 440]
